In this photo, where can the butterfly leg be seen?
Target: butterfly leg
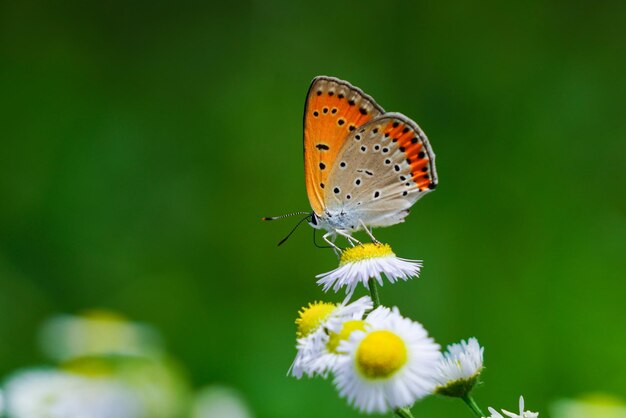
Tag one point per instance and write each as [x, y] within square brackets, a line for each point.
[350, 238]
[331, 241]
[369, 232]
[336, 250]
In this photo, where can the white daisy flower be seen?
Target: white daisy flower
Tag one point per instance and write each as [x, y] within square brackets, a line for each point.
[389, 365]
[522, 413]
[459, 368]
[359, 264]
[321, 326]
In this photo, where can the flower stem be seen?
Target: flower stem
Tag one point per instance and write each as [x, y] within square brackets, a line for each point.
[472, 405]
[371, 283]
[404, 413]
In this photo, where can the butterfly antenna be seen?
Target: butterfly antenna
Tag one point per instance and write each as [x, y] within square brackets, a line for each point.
[275, 218]
[308, 215]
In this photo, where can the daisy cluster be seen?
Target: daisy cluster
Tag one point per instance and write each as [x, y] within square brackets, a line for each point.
[379, 360]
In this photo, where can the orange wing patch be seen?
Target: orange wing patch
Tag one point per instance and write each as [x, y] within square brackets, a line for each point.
[332, 110]
[414, 144]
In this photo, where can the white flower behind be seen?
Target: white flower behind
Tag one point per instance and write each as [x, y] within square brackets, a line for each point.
[596, 405]
[389, 365]
[359, 264]
[522, 413]
[57, 394]
[97, 333]
[321, 326]
[219, 402]
[460, 368]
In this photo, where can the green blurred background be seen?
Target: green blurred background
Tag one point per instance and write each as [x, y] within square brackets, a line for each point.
[142, 142]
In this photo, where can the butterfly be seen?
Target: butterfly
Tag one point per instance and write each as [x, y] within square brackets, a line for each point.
[364, 167]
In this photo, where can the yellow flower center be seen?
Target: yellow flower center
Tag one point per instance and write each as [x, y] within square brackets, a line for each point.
[365, 252]
[344, 334]
[380, 355]
[310, 317]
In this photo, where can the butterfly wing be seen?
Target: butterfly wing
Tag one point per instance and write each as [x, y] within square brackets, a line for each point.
[383, 168]
[333, 109]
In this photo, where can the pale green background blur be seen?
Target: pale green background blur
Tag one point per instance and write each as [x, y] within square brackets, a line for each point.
[142, 142]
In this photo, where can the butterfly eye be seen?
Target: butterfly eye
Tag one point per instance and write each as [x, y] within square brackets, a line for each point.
[314, 219]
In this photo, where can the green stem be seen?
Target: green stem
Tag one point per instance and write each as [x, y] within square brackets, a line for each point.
[473, 406]
[373, 291]
[404, 413]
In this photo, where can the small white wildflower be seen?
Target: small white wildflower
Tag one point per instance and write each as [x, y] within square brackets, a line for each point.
[459, 368]
[522, 413]
[359, 264]
[321, 326]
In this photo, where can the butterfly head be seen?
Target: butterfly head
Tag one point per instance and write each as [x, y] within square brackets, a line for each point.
[314, 221]
[320, 222]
